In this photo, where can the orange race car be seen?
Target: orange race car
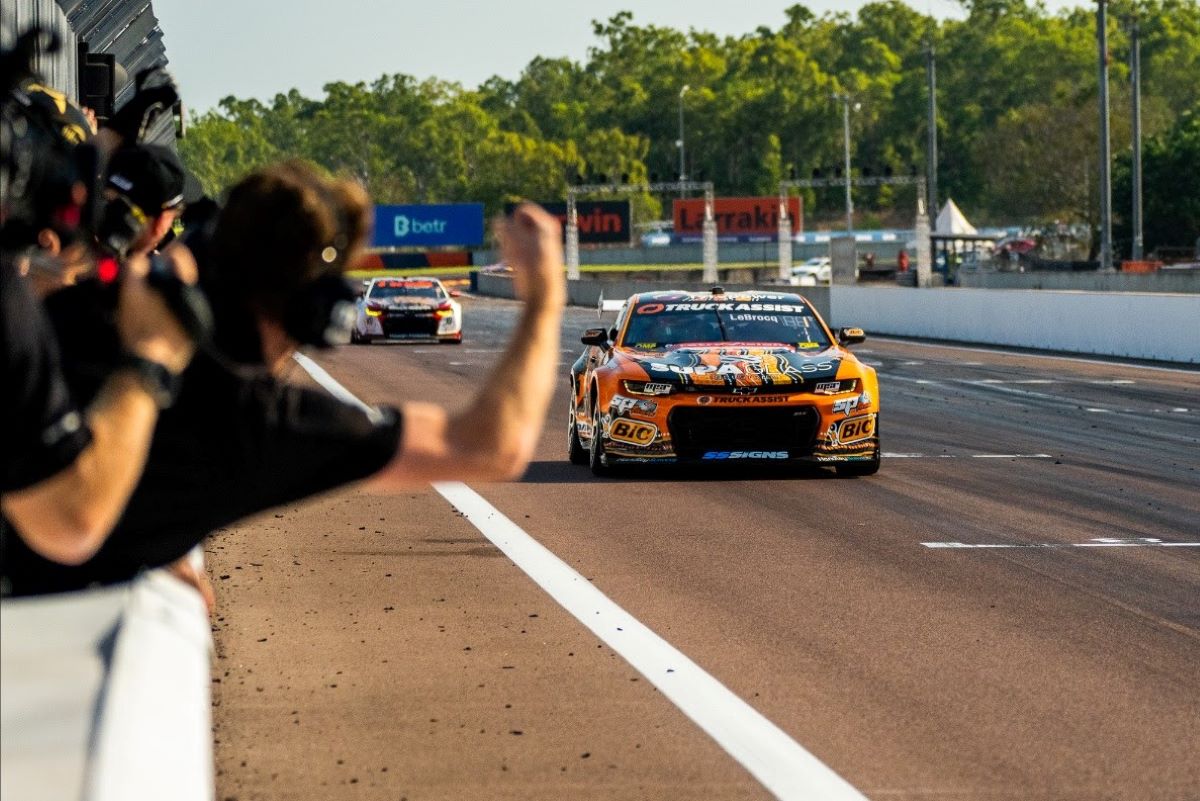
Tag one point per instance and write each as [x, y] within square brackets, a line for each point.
[709, 377]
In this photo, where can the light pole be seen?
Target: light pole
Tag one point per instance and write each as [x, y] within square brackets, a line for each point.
[845, 99]
[679, 142]
[1106, 254]
[931, 134]
[1135, 76]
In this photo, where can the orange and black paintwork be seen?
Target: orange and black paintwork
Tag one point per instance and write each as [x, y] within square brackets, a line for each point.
[807, 400]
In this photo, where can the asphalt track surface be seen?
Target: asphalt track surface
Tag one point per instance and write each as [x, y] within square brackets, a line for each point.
[381, 647]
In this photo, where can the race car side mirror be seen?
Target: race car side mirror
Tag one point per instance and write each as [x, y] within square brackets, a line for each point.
[851, 336]
[595, 336]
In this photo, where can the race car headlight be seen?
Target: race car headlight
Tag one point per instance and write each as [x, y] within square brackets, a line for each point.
[373, 310]
[648, 388]
[836, 387]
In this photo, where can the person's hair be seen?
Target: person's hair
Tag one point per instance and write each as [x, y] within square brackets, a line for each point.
[284, 226]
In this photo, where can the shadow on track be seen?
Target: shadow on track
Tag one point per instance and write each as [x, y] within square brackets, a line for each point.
[554, 472]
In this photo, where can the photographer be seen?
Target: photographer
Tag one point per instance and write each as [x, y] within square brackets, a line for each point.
[239, 441]
[68, 470]
[143, 194]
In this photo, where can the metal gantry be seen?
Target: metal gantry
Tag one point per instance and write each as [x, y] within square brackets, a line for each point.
[708, 229]
[785, 191]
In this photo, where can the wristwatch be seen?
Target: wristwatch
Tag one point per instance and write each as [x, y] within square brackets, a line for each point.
[160, 383]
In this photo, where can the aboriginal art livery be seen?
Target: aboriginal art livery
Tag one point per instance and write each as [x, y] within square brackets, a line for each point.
[714, 377]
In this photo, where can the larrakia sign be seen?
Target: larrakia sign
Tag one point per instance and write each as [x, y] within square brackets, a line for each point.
[756, 217]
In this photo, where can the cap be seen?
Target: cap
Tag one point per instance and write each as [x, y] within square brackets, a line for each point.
[149, 176]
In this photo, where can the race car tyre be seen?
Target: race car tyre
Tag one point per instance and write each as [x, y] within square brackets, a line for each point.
[868, 468]
[576, 453]
[858, 468]
[596, 446]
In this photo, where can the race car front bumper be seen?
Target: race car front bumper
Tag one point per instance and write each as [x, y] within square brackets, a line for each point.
[709, 428]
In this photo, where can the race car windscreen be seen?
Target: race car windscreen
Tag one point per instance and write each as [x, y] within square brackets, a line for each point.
[382, 290]
[656, 325]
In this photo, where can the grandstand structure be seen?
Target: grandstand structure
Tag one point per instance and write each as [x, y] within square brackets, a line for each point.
[106, 43]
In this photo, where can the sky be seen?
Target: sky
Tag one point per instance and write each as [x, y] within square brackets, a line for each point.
[257, 48]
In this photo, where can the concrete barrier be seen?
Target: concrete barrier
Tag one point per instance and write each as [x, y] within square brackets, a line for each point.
[586, 292]
[1171, 281]
[1157, 326]
[104, 694]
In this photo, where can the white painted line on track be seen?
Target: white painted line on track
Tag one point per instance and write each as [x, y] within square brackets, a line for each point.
[332, 386]
[1099, 542]
[1011, 456]
[1000, 351]
[777, 761]
[887, 455]
[762, 748]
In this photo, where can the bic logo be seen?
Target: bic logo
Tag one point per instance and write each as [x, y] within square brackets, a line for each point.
[402, 226]
[633, 433]
[856, 428]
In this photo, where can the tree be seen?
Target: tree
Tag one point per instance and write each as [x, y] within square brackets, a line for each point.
[1017, 87]
[1170, 177]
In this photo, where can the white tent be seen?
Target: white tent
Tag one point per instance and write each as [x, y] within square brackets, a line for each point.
[950, 220]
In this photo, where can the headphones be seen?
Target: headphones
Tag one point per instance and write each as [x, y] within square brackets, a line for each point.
[321, 313]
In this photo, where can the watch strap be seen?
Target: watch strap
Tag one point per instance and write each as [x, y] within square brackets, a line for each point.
[161, 384]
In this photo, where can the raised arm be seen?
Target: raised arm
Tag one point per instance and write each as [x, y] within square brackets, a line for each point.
[494, 438]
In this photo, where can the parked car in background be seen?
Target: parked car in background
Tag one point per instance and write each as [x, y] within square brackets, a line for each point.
[656, 239]
[813, 272]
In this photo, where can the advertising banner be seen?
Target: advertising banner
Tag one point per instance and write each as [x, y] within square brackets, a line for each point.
[428, 226]
[742, 217]
[600, 221]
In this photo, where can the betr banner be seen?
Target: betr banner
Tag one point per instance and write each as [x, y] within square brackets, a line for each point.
[736, 216]
[436, 225]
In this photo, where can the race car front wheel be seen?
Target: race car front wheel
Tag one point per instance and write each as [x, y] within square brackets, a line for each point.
[575, 450]
[596, 445]
[866, 468]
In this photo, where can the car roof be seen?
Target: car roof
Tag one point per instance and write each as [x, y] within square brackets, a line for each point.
[406, 279]
[735, 296]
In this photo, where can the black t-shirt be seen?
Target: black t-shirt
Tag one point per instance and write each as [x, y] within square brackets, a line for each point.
[41, 430]
[235, 443]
